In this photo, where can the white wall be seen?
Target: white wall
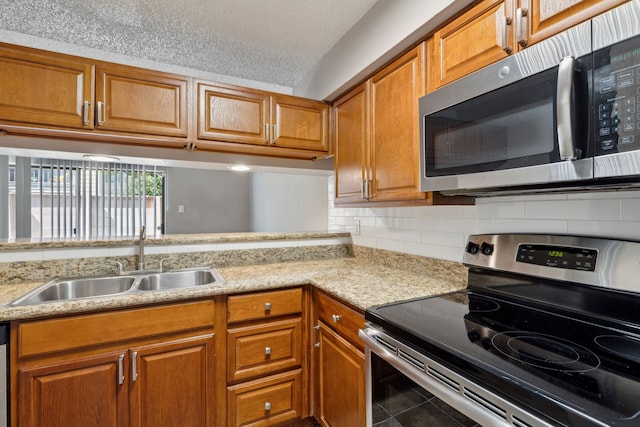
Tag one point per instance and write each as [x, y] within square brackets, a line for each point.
[213, 201]
[441, 231]
[387, 29]
[283, 202]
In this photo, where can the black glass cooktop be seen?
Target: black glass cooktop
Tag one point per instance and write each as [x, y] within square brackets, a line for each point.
[574, 368]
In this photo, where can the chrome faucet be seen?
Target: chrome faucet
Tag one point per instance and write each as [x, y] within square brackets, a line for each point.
[143, 235]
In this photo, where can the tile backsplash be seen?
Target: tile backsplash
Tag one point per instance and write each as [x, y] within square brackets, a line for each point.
[441, 231]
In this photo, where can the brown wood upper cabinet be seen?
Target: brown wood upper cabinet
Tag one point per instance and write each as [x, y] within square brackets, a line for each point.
[45, 88]
[231, 114]
[376, 134]
[493, 29]
[141, 101]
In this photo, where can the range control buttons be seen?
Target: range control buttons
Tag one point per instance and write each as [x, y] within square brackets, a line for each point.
[472, 248]
[486, 248]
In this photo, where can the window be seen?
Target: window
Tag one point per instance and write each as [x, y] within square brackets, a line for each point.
[83, 199]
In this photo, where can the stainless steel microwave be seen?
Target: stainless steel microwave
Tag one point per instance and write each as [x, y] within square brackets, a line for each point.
[561, 114]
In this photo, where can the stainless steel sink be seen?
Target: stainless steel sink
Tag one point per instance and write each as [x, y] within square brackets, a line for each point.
[99, 286]
[178, 279]
[82, 287]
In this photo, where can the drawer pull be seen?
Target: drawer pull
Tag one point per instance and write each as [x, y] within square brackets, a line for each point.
[267, 351]
[267, 306]
[267, 406]
[336, 318]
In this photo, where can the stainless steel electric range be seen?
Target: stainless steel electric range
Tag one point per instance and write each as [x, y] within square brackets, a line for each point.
[546, 334]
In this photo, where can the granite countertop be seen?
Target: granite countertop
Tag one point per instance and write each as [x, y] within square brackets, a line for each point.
[170, 239]
[353, 280]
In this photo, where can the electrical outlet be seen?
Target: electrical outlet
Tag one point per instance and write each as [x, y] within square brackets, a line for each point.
[180, 208]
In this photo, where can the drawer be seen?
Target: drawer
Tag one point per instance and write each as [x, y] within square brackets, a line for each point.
[263, 305]
[87, 330]
[270, 401]
[264, 349]
[340, 317]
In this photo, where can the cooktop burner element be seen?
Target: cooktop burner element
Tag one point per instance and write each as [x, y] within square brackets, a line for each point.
[562, 343]
[478, 304]
[545, 351]
[621, 346]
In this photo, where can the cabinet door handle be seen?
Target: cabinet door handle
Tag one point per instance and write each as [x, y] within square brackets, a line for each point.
[267, 351]
[521, 12]
[85, 113]
[367, 189]
[336, 318]
[362, 189]
[267, 306]
[121, 369]
[316, 343]
[134, 365]
[267, 406]
[100, 112]
[274, 139]
[266, 133]
[507, 21]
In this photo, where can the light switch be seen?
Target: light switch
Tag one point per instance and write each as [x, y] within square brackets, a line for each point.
[180, 208]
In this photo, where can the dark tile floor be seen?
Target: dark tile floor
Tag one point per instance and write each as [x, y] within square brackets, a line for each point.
[401, 403]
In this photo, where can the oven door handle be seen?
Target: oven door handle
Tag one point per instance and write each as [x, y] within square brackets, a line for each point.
[566, 143]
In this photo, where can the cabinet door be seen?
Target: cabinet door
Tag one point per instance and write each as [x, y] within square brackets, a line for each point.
[78, 393]
[45, 88]
[232, 115]
[545, 18]
[395, 154]
[133, 100]
[472, 41]
[172, 384]
[341, 377]
[351, 138]
[299, 123]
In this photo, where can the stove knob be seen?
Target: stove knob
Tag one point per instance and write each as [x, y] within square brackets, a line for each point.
[486, 248]
[472, 248]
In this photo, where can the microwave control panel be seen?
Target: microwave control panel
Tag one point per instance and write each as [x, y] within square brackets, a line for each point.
[617, 97]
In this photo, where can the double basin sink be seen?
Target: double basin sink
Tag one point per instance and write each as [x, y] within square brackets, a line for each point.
[125, 283]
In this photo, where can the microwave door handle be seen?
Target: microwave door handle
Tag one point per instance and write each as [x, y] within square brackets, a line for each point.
[563, 109]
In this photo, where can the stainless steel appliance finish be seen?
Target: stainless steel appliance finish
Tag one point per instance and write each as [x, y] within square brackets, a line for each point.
[545, 119]
[622, 159]
[546, 334]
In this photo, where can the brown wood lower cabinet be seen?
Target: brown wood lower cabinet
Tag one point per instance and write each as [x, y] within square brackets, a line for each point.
[146, 367]
[170, 386]
[266, 358]
[266, 402]
[340, 397]
[79, 392]
[341, 371]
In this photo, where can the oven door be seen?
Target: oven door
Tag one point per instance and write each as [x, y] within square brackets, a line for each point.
[522, 121]
[405, 388]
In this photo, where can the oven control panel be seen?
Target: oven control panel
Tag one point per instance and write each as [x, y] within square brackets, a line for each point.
[617, 97]
[558, 256]
[595, 261]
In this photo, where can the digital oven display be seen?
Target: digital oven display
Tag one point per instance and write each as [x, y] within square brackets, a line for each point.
[558, 256]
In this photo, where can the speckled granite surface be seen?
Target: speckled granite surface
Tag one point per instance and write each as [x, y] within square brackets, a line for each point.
[362, 280]
[175, 239]
[28, 271]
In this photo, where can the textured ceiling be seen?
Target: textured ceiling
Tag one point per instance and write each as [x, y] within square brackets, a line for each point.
[272, 41]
